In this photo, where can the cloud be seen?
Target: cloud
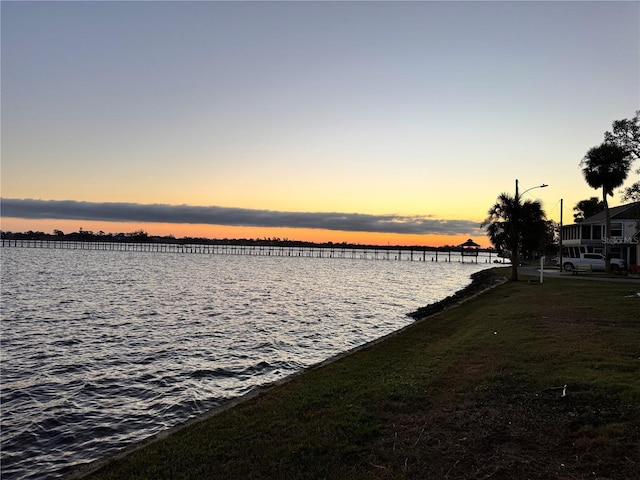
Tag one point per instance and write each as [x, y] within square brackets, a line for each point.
[242, 217]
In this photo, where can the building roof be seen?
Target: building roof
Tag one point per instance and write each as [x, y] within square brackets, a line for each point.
[630, 211]
[469, 243]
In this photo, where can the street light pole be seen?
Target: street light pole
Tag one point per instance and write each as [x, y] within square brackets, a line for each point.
[560, 239]
[514, 237]
[515, 231]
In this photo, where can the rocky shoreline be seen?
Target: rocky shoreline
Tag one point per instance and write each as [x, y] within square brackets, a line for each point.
[480, 281]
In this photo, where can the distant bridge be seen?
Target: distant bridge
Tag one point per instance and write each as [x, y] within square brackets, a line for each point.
[319, 251]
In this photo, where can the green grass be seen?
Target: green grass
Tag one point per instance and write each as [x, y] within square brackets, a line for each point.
[473, 392]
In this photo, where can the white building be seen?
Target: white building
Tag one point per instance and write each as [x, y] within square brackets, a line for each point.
[590, 235]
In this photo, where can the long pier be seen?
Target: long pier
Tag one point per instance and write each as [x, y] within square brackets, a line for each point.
[319, 251]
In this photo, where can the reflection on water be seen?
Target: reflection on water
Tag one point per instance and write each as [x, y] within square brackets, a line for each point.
[103, 348]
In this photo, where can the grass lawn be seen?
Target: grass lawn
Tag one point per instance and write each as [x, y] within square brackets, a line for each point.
[477, 391]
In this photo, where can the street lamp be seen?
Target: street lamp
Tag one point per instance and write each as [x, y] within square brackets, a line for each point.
[538, 186]
[514, 231]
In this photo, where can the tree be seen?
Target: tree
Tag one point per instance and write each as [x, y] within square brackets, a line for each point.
[606, 166]
[513, 224]
[626, 134]
[587, 208]
[632, 193]
[538, 238]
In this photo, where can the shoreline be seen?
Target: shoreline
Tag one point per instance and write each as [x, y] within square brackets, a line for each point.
[480, 282]
[527, 380]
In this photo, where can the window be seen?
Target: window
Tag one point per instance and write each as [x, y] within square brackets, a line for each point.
[616, 229]
[571, 252]
[597, 232]
[586, 232]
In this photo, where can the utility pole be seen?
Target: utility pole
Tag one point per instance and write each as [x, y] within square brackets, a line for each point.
[560, 240]
[515, 230]
[515, 237]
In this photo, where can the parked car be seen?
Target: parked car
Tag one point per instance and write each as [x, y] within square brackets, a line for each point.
[596, 260]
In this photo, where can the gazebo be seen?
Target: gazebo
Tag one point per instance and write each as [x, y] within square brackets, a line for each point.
[469, 249]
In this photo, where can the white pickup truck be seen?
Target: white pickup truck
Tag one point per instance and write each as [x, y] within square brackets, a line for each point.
[596, 260]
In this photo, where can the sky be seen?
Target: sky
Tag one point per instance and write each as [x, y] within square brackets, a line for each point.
[367, 122]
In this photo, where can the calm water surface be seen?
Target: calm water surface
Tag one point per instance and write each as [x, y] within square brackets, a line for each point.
[101, 348]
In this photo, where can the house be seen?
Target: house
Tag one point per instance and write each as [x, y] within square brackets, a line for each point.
[590, 235]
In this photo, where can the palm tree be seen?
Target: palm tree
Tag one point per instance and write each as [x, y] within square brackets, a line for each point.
[510, 221]
[606, 166]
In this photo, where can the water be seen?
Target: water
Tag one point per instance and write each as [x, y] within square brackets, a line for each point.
[104, 348]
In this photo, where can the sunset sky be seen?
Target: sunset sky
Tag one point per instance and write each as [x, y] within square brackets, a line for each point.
[367, 122]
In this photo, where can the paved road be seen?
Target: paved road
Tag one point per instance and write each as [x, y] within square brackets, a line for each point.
[534, 271]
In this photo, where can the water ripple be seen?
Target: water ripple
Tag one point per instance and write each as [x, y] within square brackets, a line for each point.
[102, 348]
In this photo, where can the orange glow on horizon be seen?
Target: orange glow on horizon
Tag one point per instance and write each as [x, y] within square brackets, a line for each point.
[231, 232]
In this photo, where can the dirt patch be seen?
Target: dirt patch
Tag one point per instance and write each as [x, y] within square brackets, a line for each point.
[505, 434]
